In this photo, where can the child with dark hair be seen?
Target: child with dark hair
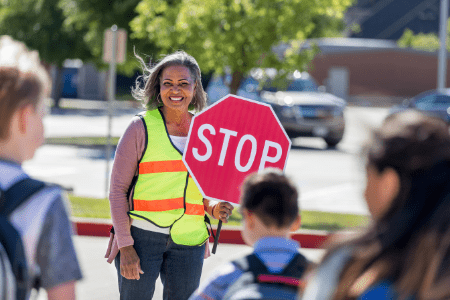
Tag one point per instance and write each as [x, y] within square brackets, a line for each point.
[405, 253]
[269, 205]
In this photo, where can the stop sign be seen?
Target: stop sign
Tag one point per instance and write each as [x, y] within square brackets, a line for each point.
[231, 139]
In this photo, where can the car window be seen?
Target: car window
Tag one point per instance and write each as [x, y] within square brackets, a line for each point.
[302, 85]
[432, 102]
[218, 87]
[443, 100]
[298, 85]
[425, 102]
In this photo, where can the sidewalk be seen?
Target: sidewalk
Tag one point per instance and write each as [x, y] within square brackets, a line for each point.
[100, 278]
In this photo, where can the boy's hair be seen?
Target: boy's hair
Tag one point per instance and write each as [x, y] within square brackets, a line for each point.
[272, 196]
[23, 80]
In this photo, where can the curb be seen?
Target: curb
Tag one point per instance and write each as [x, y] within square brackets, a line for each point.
[312, 239]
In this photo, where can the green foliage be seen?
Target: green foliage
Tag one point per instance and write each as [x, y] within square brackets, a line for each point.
[38, 23]
[427, 42]
[85, 207]
[82, 141]
[71, 29]
[421, 41]
[94, 17]
[238, 34]
[332, 221]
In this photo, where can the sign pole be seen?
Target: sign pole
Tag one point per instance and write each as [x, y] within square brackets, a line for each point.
[216, 240]
[112, 89]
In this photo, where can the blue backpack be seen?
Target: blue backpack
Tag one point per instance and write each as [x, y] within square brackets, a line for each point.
[258, 283]
[10, 238]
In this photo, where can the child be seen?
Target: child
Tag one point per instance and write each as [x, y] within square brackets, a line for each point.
[405, 253]
[270, 212]
[41, 220]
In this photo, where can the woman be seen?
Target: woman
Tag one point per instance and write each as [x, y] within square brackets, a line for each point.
[157, 210]
[405, 254]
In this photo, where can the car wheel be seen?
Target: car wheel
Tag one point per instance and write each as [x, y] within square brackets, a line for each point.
[332, 142]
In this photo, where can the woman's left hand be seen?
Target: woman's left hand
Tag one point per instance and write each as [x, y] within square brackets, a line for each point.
[223, 211]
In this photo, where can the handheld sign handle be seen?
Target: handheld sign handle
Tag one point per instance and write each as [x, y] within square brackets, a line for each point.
[216, 240]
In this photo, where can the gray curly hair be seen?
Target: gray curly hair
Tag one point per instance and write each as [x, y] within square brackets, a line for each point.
[148, 84]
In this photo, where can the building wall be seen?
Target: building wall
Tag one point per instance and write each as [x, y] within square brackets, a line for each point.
[385, 73]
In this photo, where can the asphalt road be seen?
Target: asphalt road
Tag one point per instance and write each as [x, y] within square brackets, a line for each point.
[328, 179]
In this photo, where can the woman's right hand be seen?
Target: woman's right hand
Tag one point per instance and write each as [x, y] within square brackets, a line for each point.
[130, 266]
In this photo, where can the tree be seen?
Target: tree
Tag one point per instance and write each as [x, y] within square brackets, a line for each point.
[239, 34]
[421, 41]
[94, 17]
[39, 24]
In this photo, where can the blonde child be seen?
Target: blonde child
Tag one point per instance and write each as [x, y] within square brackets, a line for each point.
[41, 220]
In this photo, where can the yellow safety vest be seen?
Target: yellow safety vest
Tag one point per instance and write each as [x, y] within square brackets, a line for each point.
[165, 194]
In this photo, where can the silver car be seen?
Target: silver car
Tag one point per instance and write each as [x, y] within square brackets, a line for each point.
[301, 108]
[309, 114]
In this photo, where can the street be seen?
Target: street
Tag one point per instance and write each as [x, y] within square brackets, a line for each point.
[328, 179]
[100, 278]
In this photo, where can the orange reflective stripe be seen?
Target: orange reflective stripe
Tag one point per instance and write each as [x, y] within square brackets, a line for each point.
[168, 204]
[158, 205]
[195, 209]
[162, 166]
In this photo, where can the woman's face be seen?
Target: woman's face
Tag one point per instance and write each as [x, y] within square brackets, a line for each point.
[177, 87]
[381, 190]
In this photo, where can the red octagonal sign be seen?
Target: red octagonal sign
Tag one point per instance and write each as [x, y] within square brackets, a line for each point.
[231, 139]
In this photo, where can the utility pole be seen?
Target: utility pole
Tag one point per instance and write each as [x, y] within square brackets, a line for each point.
[114, 50]
[111, 96]
[442, 58]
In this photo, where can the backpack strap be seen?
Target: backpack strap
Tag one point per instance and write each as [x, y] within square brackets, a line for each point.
[289, 276]
[17, 194]
[257, 282]
[297, 266]
[10, 237]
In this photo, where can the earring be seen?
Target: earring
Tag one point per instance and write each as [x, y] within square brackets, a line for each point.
[159, 98]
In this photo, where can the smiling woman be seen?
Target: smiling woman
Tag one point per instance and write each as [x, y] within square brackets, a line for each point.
[157, 210]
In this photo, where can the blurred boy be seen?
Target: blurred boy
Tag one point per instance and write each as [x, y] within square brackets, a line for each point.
[42, 220]
[270, 212]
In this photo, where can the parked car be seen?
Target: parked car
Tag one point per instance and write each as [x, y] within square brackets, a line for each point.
[302, 109]
[435, 102]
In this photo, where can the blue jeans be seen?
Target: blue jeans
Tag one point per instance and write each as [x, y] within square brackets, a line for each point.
[180, 267]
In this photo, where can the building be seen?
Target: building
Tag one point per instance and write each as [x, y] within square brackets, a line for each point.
[373, 72]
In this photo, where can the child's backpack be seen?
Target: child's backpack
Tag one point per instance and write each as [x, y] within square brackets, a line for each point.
[258, 283]
[10, 238]
[7, 280]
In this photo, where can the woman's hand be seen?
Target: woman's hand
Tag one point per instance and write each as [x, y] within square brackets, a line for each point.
[130, 266]
[222, 211]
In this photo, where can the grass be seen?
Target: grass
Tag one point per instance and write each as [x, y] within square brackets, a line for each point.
[81, 141]
[86, 207]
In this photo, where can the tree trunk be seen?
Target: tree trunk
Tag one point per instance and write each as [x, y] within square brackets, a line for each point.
[236, 80]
